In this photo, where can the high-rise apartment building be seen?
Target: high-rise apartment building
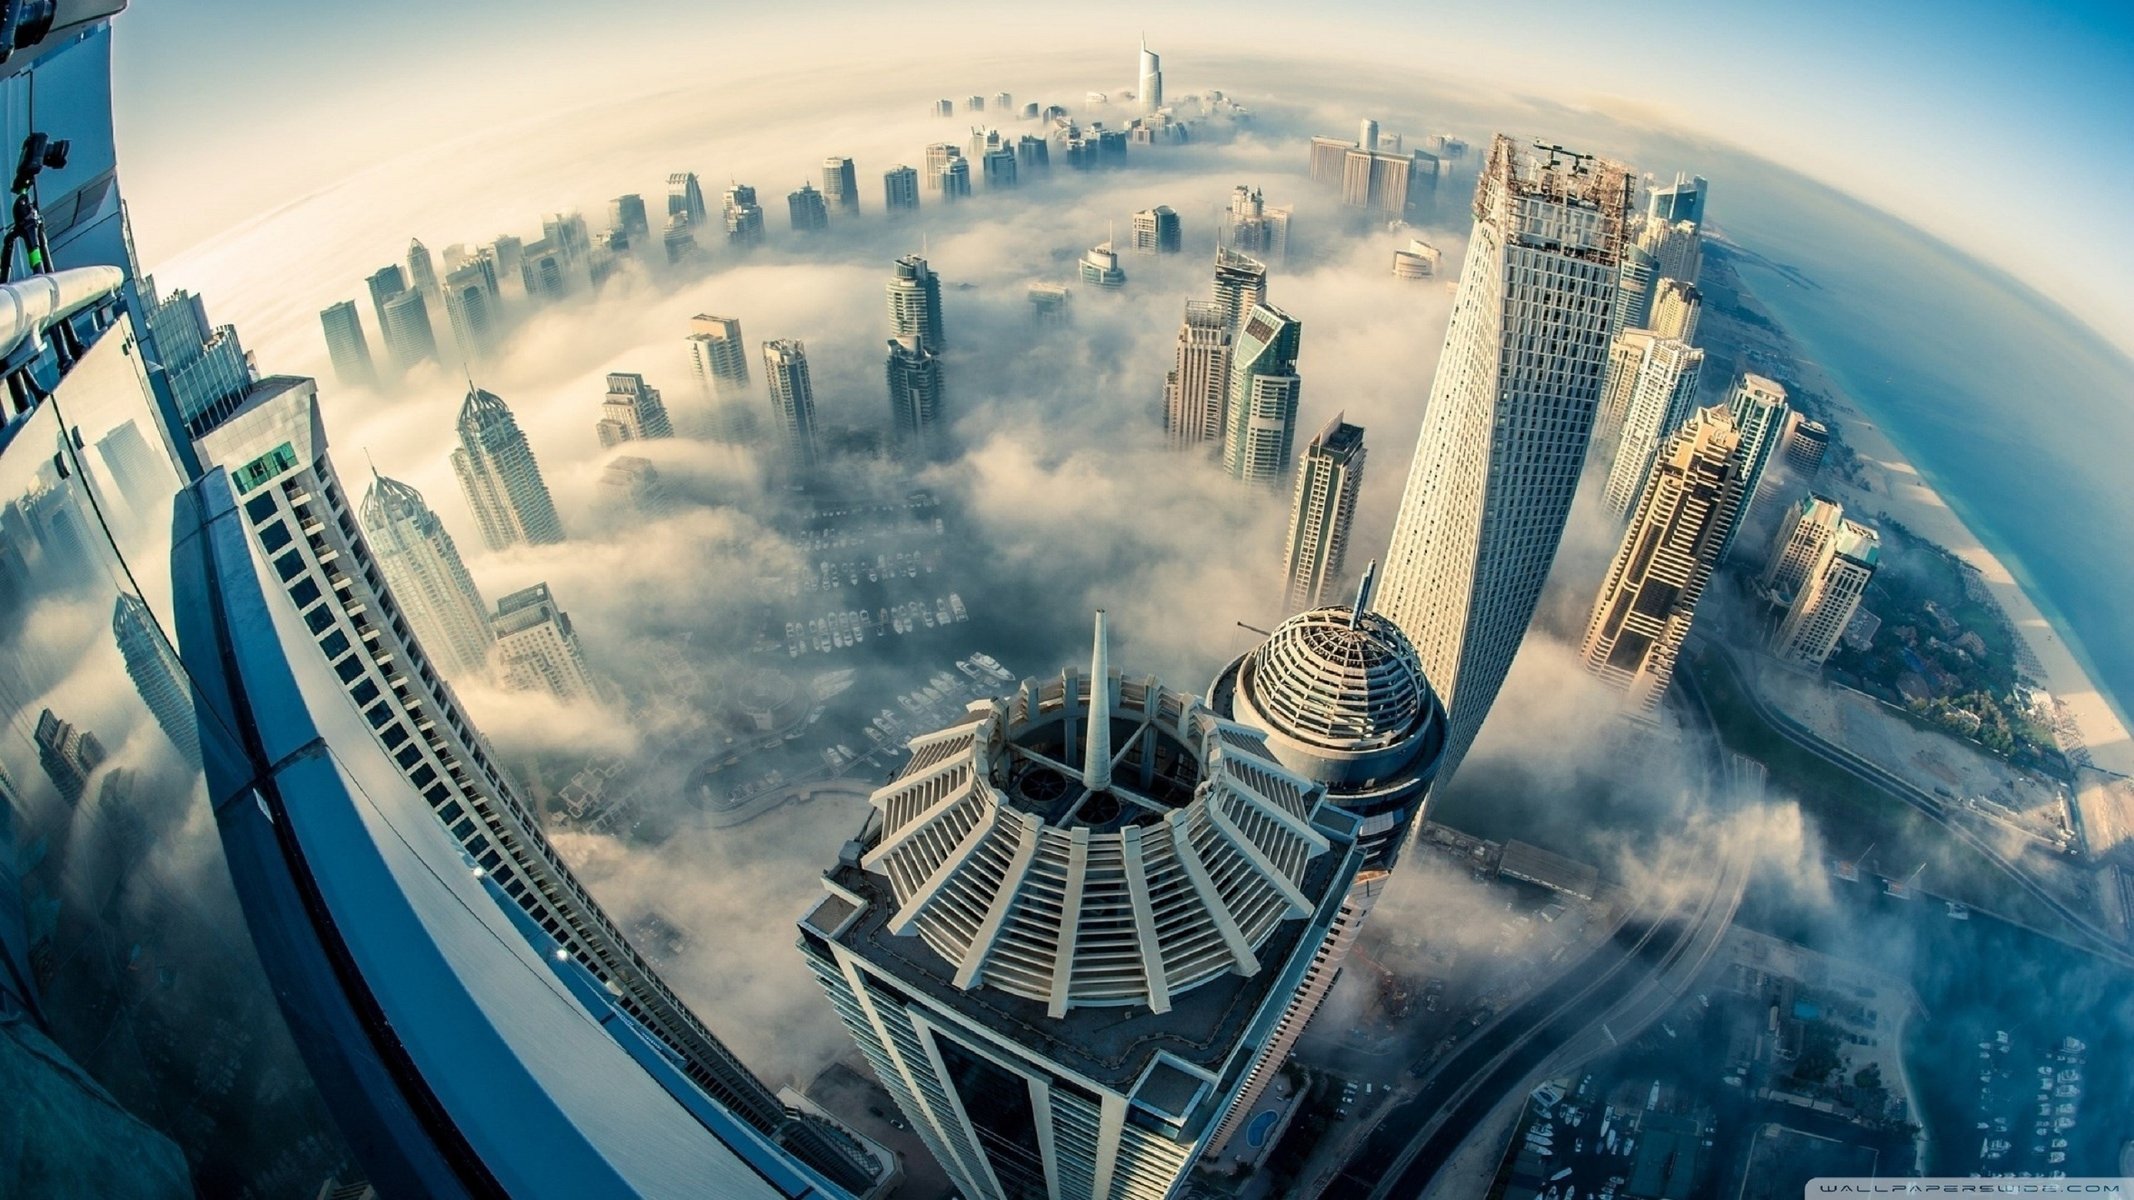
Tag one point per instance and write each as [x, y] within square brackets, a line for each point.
[502, 482]
[1805, 535]
[632, 411]
[914, 375]
[1505, 431]
[1240, 286]
[1156, 231]
[807, 210]
[1260, 413]
[1675, 305]
[685, 198]
[900, 189]
[1104, 941]
[1828, 598]
[347, 346]
[1686, 512]
[744, 217]
[1150, 89]
[537, 649]
[1251, 227]
[1758, 406]
[785, 374]
[1329, 477]
[914, 294]
[841, 186]
[422, 566]
[1663, 392]
[1197, 387]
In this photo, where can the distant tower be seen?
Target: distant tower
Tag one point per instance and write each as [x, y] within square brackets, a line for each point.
[900, 189]
[841, 186]
[156, 674]
[914, 374]
[1240, 285]
[1687, 510]
[1329, 476]
[685, 198]
[347, 346]
[785, 372]
[422, 566]
[1662, 394]
[719, 358]
[1827, 600]
[497, 471]
[1805, 536]
[537, 649]
[1150, 91]
[408, 333]
[632, 411]
[1505, 431]
[1067, 935]
[1196, 388]
[915, 302]
[744, 217]
[1156, 231]
[809, 212]
[1758, 406]
[1260, 419]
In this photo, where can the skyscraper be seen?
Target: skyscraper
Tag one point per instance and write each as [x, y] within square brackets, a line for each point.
[1805, 535]
[156, 674]
[1675, 305]
[627, 213]
[1663, 391]
[744, 217]
[900, 189]
[1758, 406]
[347, 346]
[807, 209]
[1240, 285]
[915, 302]
[1329, 476]
[685, 197]
[1260, 414]
[497, 471]
[632, 411]
[785, 373]
[1075, 1043]
[1156, 231]
[1504, 433]
[471, 304]
[422, 566]
[1197, 387]
[1827, 599]
[1150, 89]
[914, 373]
[408, 333]
[841, 186]
[537, 649]
[1686, 512]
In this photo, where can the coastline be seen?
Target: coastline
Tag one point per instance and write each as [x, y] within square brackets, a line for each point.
[1888, 487]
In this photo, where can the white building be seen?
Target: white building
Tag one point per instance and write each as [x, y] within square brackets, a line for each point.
[1329, 478]
[423, 568]
[1505, 432]
[537, 649]
[1065, 976]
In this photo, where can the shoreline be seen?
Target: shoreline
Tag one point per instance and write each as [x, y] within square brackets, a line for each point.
[1890, 488]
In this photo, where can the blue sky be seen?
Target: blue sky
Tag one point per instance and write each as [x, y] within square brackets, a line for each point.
[1986, 122]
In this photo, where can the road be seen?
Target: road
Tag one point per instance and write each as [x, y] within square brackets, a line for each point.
[2093, 938]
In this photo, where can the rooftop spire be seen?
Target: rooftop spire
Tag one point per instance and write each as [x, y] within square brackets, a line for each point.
[1096, 760]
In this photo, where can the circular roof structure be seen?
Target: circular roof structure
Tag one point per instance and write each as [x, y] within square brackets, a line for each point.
[1339, 680]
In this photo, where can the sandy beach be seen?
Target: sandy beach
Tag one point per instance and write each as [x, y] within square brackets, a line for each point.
[1892, 488]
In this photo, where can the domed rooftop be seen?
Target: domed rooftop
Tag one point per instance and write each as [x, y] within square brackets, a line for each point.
[1340, 679]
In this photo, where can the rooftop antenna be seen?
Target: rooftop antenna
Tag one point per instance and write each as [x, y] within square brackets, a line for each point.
[1096, 760]
[1363, 595]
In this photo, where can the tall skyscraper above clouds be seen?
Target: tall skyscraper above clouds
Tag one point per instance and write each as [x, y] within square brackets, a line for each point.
[1505, 431]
